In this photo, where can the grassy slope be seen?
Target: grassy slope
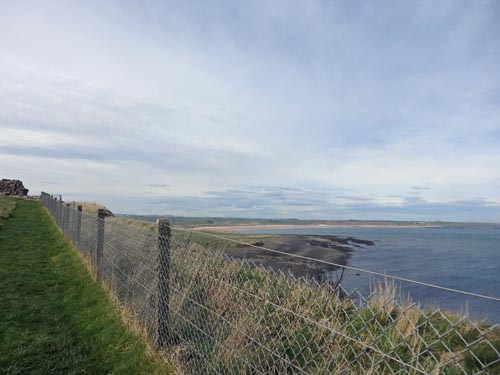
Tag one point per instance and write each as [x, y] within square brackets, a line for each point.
[7, 206]
[306, 325]
[53, 318]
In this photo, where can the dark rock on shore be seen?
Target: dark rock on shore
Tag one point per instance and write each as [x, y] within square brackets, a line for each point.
[346, 240]
[331, 249]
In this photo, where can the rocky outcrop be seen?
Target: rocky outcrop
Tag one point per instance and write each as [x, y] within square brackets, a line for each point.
[12, 187]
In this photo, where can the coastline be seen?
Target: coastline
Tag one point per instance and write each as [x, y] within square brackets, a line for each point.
[334, 249]
[236, 228]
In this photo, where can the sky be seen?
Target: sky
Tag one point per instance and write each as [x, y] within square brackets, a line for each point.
[275, 109]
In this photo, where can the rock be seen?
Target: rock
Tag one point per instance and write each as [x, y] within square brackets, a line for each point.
[12, 187]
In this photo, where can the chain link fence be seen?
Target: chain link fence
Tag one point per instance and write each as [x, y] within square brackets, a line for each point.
[213, 314]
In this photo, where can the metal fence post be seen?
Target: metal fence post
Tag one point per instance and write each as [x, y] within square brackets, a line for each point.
[66, 219]
[63, 217]
[163, 281]
[78, 226]
[59, 214]
[52, 206]
[101, 215]
[61, 224]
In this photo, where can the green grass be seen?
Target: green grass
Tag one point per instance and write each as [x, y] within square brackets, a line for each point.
[7, 206]
[54, 319]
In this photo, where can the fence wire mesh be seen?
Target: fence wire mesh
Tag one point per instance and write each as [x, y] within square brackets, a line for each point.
[213, 314]
[123, 257]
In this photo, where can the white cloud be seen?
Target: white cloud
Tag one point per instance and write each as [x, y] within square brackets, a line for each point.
[333, 98]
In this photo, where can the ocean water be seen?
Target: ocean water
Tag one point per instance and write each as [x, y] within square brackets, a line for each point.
[465, 258]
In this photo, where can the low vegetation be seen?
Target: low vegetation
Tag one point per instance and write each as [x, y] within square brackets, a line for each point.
[53, 318]
[234, 318]
[89, 208]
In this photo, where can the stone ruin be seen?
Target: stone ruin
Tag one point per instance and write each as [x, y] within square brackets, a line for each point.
[12, 187]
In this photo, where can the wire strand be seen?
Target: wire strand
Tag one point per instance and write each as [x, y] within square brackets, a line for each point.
[472, 294]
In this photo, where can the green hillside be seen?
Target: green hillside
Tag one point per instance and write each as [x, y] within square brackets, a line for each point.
[54, 319]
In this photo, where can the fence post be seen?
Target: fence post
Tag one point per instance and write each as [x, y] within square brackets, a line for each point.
[59, 214]
[62, 223]
[101, 215]
[163, 281]
[78, 226]
[66, 220]
[63, 217]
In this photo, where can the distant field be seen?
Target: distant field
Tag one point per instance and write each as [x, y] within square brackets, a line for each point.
[54, 319]
[192, 222]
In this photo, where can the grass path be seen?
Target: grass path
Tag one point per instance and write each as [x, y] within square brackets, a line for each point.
[7, 206]
[54, 319]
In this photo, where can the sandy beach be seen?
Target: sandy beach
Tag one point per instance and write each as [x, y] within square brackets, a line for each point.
[236, 228]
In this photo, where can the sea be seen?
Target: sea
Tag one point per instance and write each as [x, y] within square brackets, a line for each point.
[462, 258]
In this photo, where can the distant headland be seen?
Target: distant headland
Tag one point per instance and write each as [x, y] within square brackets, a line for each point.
[230, 224]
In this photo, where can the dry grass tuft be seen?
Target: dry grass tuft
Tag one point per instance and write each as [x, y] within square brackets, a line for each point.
[90, 208]
[384, 293]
